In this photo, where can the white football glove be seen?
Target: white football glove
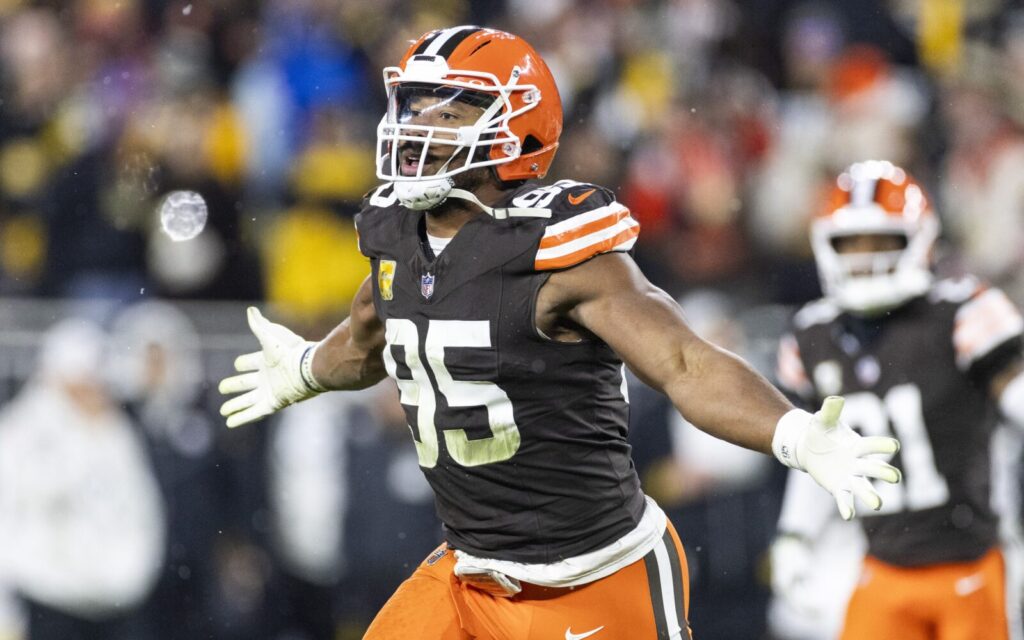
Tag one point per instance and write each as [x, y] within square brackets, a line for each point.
[836, 456]
[271, 379]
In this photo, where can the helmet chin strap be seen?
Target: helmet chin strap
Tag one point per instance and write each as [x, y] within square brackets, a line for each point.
[502, 213]
[874, 296]
[421, 195]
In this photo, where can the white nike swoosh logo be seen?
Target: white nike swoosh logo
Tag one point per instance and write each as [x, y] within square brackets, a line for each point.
[569, 635]
[969, 584]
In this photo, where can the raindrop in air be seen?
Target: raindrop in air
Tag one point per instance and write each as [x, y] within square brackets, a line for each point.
[183, 215]
[187, 10]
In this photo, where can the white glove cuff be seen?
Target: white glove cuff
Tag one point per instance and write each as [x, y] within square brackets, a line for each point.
[788, 433]
[306, 369]
[1011, 401]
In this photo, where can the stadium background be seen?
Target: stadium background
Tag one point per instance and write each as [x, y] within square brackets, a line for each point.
[716, 121]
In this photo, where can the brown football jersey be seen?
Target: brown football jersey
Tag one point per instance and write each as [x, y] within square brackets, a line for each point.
[919, 373]
[522, 438]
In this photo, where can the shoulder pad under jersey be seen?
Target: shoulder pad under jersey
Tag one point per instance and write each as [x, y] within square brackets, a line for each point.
[585, 221]
[815, 312]
[985, 321]
[956, 290]
[790, 372]
[377, 223]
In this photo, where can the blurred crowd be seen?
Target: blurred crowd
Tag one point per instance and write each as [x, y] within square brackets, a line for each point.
[128, 511]
[718, 122]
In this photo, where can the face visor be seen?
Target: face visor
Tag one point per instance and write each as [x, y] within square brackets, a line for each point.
[873, 262]
[433, 131]
[871, 282]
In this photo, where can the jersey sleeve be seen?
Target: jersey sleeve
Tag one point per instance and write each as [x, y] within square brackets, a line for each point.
[375, 229]
[586, 221]
[986, 326]
[789, 369]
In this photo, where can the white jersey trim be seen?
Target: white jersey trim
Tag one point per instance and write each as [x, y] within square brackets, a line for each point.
[595, 238]
[588, 567]
[582, 219]
[817, 312]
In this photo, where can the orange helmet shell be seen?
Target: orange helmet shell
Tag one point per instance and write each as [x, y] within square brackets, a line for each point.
[877, 186]
[512, 61]
[875, 197]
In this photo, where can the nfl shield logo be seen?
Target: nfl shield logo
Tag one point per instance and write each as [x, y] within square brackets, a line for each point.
[427, 285]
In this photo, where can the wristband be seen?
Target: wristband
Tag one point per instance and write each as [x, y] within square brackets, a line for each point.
[788, 432]
[306, 369]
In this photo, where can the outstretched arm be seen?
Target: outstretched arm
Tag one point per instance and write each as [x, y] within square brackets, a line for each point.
[350, 356]
[718, 392]
[289, 369]
[714, 389]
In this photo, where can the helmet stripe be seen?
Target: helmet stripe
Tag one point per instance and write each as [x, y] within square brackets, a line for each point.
[449, 39]
[426, 42]
[863, 192]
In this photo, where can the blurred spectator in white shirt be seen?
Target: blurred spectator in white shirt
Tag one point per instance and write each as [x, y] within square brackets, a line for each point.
[80, 511]
[157, 372]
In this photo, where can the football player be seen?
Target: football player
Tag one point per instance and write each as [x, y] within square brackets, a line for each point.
[504, 310]
[931, 362]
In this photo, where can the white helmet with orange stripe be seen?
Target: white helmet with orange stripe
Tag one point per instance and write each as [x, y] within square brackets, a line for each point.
[873, 241]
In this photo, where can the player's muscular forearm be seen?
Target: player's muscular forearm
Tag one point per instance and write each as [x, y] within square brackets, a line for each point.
[350, 356]
[720, 393]
[715, 390]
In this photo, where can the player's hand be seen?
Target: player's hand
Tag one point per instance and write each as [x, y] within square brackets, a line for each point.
[836, 456]
[270, 379]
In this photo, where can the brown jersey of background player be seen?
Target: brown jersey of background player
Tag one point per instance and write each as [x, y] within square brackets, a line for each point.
[929, 362]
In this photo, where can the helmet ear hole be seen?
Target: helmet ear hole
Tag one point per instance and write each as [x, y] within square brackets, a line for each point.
[531, 144]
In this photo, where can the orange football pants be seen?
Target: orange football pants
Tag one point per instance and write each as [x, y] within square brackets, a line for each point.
[952, 601]
[644, 600]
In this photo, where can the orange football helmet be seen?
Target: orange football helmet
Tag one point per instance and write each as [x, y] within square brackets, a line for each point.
[875, 198]
[521, 111]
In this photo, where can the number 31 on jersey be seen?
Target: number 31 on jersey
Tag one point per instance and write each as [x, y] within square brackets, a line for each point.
[900, 410]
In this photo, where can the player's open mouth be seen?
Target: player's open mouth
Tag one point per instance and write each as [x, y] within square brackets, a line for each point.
[410, 163]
